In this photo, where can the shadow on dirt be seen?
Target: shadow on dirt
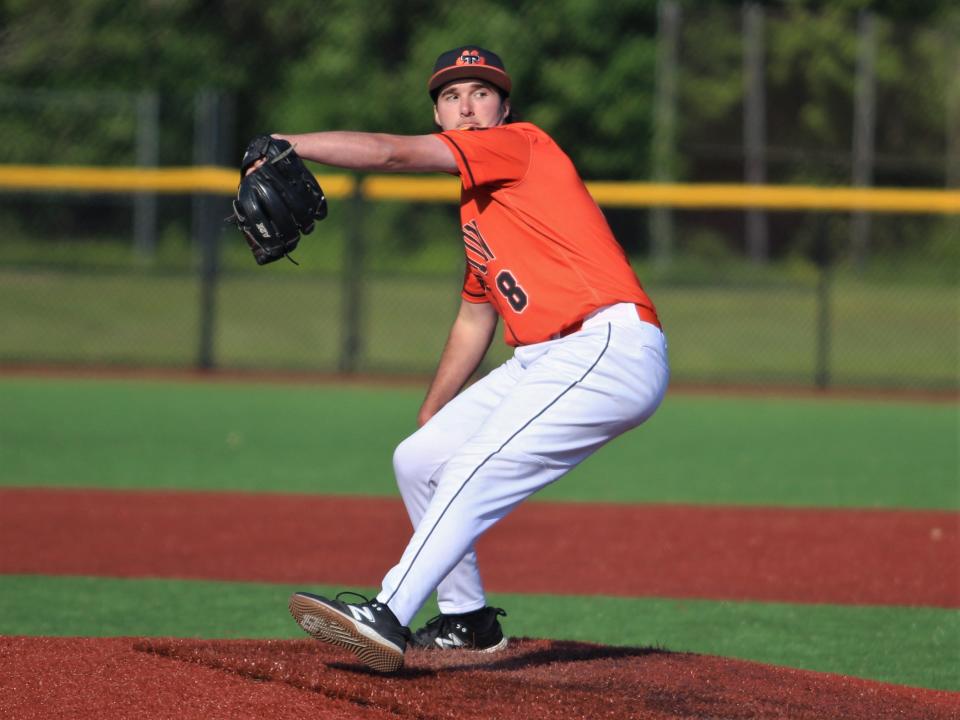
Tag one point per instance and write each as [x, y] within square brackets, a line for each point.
[523, 654]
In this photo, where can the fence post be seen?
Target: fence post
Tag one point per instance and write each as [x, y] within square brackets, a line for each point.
[148, 155]
[351, 285]
[952, 169]
[208, 214]
[952, 161]
[864, 128]
[664, 124]
[823, 259]
[754, 124]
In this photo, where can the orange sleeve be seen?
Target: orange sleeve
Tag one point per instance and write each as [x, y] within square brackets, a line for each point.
[472, 289]
[492, 156]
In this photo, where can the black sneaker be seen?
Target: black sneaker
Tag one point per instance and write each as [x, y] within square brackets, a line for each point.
[479, 631]
[369, 629]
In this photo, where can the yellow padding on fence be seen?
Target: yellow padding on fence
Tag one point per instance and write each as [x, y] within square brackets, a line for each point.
[223, 181]
[174, 180]
[777, 197]
[423, 189]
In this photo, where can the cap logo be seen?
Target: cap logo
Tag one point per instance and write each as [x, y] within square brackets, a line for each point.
[470, 61]
[471, 57]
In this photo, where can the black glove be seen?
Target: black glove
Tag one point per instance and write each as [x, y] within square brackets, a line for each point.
[278, 201]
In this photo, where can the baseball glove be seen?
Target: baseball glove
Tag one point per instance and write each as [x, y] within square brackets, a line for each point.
[278, 201]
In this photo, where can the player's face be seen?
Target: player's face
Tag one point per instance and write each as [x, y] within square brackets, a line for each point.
[470, 104]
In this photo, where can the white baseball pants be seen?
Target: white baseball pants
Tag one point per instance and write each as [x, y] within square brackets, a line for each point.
[513, 432]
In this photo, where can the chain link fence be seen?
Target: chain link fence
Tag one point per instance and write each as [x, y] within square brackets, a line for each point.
[729, 94]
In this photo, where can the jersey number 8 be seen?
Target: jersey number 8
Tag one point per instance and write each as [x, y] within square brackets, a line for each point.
[507, 285]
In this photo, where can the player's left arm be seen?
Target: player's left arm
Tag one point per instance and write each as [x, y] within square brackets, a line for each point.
[376, 152]
[466, 345]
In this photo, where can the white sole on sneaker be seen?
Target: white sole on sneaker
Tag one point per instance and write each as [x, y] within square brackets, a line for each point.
[502, 645]
[329, 625]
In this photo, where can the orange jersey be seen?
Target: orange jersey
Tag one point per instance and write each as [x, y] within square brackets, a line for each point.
[537, 245]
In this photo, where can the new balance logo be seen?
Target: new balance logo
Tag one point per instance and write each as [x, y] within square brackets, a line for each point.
[451, 641]
[361, 613]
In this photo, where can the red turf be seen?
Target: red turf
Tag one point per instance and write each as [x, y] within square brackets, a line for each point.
[864, 557]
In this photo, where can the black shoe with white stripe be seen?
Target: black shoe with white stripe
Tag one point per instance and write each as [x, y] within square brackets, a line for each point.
[369, 629]
[479, 631]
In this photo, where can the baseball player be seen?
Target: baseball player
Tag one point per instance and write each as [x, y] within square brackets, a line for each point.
[590, 360]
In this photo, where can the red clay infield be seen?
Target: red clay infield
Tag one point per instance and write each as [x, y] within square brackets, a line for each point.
[857, 556]
[869, 557]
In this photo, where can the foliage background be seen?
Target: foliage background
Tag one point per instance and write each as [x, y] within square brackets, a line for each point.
[72, 78]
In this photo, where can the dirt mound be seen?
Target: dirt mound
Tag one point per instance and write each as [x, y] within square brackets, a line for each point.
[186, 679]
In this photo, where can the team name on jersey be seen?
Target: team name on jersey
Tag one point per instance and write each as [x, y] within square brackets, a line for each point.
[478, 255]
[478, 252]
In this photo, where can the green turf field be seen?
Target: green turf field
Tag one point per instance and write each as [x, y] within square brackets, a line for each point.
[224, 436]
[321, 439]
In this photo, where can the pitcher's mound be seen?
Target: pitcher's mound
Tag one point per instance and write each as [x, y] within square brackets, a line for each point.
[542, 679]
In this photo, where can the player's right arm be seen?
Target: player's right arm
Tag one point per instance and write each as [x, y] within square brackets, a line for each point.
[466, 345]
[375, 152]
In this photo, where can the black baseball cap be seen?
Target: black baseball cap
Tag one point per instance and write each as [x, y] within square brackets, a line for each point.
[469, 61]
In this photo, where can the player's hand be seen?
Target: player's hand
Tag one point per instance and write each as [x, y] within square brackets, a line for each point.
[257, 163]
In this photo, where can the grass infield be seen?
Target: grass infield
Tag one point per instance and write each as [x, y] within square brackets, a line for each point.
[910, 646]
[338, 440]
